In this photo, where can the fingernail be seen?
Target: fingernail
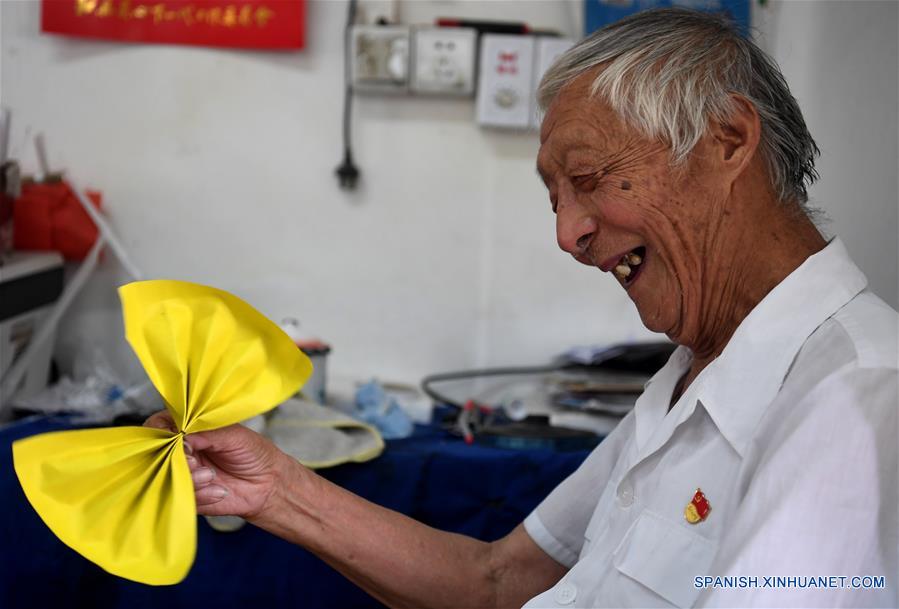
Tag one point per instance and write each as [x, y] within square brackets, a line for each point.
[217, 492]
[203, 475]
[191, 461]
[188, 448]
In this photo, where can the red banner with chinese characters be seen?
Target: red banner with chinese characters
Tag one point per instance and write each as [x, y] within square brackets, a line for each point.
[253, 24]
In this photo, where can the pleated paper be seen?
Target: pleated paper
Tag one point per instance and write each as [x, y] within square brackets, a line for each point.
[122, 497]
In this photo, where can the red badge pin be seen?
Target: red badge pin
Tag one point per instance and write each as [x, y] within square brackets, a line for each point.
[698, 508]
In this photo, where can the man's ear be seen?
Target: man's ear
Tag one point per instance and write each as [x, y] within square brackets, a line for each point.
[737, 137]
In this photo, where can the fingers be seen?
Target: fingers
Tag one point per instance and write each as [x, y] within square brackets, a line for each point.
[205, 491]
[202, 476]
[161, 420]
[194, 443]
[210, 494]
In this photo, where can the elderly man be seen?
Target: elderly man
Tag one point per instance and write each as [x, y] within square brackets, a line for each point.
[764, 451]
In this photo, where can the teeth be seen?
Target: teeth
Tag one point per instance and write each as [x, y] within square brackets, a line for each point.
[624, 268]
[622, 271]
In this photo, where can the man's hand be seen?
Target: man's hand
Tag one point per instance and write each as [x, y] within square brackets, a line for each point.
[401, 562]
[234, 469]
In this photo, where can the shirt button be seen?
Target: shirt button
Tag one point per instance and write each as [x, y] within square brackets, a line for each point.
[565, 593]
[626, 495]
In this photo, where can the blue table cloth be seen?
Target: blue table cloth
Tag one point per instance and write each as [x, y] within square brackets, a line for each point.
[433, 477]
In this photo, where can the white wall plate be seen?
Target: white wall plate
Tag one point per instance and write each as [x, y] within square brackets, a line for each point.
[548, 50]
[504, 80]
[443, 60]
[380, 58]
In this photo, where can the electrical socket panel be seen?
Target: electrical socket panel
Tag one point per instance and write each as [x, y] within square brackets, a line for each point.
[380, 58]
[548, 50]
[505, 81]
[443, 60]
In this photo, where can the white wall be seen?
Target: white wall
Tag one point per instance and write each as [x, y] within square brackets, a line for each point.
[840, 59]
[217, 167]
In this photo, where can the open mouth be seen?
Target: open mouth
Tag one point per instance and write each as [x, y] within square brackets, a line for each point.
[629, 266]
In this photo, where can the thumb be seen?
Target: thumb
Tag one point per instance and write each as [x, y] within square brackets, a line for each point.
[216, 440]
[161, 420]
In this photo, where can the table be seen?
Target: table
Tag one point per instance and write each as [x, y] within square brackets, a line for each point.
[432, 476]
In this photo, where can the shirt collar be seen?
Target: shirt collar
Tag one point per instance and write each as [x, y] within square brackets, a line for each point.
[737, 387]
[652, 405]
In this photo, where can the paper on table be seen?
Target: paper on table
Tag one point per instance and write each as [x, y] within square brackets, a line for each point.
[122, 496]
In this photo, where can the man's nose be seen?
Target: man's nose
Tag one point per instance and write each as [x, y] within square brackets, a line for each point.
[575, 229]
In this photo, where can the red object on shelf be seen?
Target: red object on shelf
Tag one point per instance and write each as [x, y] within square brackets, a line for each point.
[48, 216]
[251, 24]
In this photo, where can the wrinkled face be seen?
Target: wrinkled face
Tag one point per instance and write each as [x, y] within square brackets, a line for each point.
[621, 207]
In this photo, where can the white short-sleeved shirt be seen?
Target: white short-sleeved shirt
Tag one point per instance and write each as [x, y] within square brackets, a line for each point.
[791, 433]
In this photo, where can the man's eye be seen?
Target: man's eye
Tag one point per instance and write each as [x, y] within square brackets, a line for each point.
[585, 179]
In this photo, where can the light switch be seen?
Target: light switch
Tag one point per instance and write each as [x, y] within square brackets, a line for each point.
[504, 82]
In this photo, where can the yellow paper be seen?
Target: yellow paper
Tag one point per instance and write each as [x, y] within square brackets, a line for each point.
[122, 497]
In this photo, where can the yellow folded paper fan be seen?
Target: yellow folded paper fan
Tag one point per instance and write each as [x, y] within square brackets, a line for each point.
[122, 497]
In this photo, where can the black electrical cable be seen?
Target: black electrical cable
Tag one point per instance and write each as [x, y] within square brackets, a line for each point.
[640, 358]
[427, 381]
[347, 172]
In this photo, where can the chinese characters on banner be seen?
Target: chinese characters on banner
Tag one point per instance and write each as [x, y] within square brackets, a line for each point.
[251, 24]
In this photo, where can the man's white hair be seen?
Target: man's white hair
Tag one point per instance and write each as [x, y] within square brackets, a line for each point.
[668, 72]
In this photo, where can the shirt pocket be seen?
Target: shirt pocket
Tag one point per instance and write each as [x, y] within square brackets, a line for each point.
[665, 557]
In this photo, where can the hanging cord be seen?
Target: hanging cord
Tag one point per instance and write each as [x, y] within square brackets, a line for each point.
[347, 172]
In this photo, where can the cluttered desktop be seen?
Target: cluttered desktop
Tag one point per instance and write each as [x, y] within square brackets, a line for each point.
[371, 303]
